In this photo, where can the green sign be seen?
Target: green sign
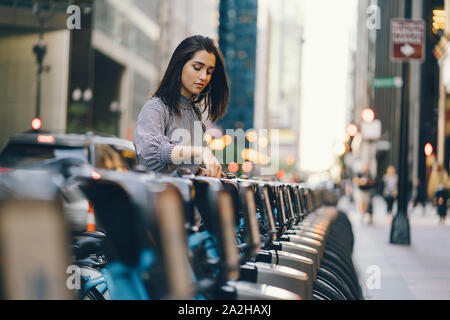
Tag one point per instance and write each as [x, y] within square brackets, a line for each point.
[387, 82]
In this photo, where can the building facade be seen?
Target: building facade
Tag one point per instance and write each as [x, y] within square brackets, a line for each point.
[374, 62]
[100, 74]
[133, 42]
[18, 67]
[278, 75]
[237, 40]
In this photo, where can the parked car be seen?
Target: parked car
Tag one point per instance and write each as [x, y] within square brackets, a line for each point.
[102, 152]
[37, 149]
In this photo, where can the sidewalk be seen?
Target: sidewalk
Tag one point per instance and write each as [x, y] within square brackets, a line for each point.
[419, 271]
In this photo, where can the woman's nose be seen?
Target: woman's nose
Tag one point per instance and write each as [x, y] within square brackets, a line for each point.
[203, 75]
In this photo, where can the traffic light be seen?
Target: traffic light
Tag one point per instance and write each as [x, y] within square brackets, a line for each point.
[36, 124]
[352, 130]
[428, 149]
[281, 174]
[368, 115]
[439, 21]
[233, 167]
[247, 166]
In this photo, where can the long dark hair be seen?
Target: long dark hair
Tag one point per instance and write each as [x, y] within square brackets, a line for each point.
[215, 95]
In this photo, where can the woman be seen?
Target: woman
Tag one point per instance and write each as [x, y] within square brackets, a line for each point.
[169, 129]
[390, 192]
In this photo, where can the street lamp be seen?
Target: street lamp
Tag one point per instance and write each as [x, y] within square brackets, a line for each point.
[40, 49]
[400, 230]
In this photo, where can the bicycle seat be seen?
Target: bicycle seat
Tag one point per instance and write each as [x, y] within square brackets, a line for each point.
[88, 243]
[93, 234]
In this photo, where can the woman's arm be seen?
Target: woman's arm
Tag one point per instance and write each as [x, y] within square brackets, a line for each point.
[188, 153]
[153, 148]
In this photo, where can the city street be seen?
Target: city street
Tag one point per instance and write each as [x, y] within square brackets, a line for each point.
[206, 150]
[415, 272]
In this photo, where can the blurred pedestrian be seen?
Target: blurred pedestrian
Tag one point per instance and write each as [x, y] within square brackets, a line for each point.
[169, 130]
[438, 176]
[364, 184]
[419, 196]
[440, 202]
[348, 188]
[390, 188]
[438, 186]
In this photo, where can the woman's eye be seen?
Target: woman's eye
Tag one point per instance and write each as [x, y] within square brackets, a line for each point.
[197, 68]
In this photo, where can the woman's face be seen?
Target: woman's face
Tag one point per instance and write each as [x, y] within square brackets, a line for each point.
[197, 73]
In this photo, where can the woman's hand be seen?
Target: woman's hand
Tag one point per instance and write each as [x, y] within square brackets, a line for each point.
[213, 167]
[202, 172]
[188, 153]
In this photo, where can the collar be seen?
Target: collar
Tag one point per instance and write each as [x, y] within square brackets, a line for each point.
[187, 103]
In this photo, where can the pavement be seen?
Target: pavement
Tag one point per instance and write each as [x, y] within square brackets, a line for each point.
[420, 271]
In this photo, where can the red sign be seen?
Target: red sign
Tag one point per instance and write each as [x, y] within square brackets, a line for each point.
[407, 39]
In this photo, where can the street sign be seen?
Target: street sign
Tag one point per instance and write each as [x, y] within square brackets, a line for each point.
[407, 40]
[387, 82]
[371, 130]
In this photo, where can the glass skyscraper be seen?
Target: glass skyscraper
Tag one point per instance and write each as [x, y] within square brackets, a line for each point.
[237, 40]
